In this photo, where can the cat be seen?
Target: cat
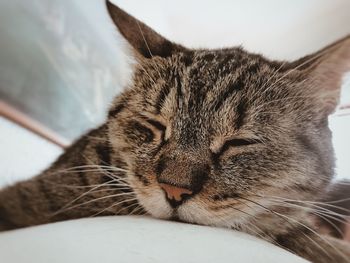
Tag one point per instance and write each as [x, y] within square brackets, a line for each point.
[336, 203]
[218, 137]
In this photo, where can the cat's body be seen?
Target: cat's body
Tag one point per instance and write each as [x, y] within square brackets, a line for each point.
[215, 137]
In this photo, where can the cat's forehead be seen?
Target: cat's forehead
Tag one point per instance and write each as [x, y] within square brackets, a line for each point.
[205, 89]
[220, 59]
[204, 81]
[219, 79]
[205, 70]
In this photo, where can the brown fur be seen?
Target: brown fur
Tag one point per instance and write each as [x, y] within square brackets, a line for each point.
[248, 137]
[337, 202]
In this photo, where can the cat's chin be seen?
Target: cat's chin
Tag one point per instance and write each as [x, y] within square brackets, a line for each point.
[194, 212]
[190, 212]
[157, 207]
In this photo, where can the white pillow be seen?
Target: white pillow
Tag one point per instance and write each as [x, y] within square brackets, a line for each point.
[135, 239]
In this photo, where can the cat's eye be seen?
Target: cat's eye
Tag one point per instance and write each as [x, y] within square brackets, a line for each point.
[146, 129]
[237, 142]
[159, 127]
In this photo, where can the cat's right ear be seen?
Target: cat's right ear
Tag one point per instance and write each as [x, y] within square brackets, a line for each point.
[142, 38]
[324, 72]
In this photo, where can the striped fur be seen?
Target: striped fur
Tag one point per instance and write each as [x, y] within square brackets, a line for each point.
[242, 133]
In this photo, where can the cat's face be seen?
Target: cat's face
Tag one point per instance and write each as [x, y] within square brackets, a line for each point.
[220, 124]
[209, 134]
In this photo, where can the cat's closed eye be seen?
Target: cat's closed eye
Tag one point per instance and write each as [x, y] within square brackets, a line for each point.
[147, 130]
[236, 142]
[138, 131]
[156, 124]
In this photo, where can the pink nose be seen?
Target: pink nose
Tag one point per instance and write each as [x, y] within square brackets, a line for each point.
[175, 193]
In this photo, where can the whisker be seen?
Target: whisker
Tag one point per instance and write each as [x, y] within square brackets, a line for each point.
[258, 232]
[315, 233]
[88, 192]
[317, 205]
[144, 39]
[313, 241]
[79, 168]
[85, 186]
[326, 212]
[311, 59]
[113, 205]
[137, 209]
[331, 223]
[258, 92]
[316, 213]
[90, 201]
[301, 224]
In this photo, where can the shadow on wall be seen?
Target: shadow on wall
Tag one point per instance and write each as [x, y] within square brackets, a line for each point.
[59, 62]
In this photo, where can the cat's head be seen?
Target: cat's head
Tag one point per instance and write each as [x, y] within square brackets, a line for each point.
[206, 133]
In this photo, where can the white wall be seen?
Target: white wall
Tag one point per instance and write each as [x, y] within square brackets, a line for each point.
[277, 28]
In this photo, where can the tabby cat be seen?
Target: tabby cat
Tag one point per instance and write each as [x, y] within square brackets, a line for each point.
[218, 137]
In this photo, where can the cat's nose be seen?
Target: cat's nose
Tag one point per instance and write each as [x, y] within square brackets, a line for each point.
[175, 195]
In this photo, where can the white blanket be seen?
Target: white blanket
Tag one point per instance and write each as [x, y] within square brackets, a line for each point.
[135, 239]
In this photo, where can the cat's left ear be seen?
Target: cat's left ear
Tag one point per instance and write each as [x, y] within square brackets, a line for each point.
[324, 71]
[143, 39]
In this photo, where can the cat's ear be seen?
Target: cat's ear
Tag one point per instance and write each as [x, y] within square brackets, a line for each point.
[143, 39]
[324, 71]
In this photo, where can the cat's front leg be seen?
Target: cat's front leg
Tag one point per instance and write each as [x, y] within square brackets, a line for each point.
[83, 182]
[315, 247]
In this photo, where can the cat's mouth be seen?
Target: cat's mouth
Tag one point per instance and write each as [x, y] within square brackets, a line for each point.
[180, 207]
[176, 218]
[193, 211]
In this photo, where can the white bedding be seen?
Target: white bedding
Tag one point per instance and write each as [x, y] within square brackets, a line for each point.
[135, 239]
